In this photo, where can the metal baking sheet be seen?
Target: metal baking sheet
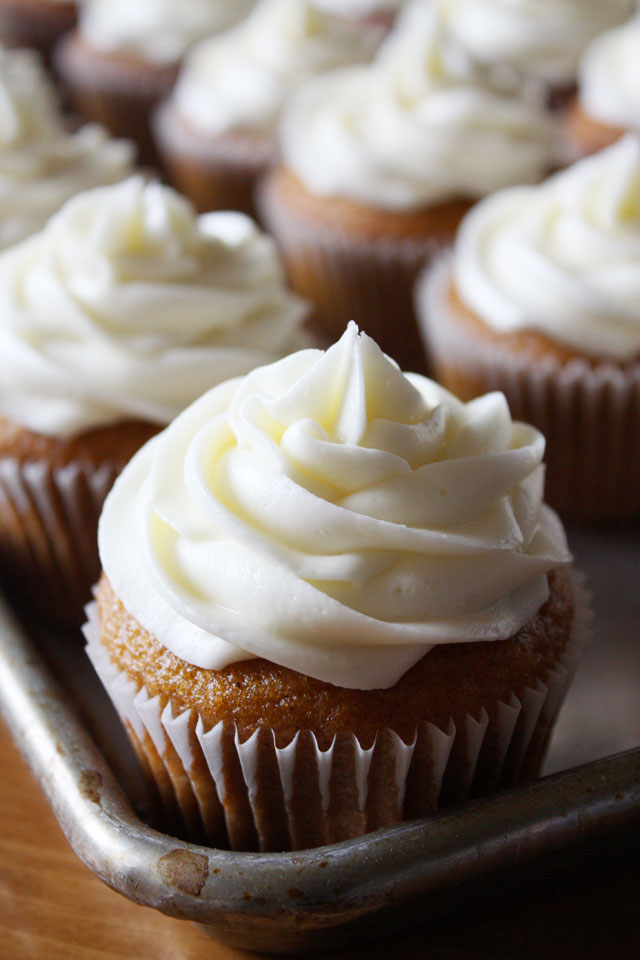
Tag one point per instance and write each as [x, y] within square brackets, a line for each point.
[314, 899]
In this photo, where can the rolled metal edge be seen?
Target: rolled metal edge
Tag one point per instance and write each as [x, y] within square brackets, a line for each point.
[313, 898]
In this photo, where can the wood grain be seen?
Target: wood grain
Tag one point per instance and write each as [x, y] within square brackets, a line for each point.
[52, 907]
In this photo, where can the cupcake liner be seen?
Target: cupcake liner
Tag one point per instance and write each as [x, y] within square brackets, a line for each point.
[589, 414]
[48, 535]
[216, 173]
[35, 23]
[117, 91]
[259, 794]
[353, 277]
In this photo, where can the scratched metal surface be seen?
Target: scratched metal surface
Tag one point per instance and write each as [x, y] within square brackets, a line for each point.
[317, 898]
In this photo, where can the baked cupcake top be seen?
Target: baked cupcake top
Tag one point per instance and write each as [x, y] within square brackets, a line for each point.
[335, 516]
[128, 306]
[609, 77]
[561, 258]
[414, 128]
[157, 31]
[241, 79]
[538, 38]
[41, 163]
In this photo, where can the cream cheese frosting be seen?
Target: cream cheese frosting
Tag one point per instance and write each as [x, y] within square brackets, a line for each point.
[413, 128]
[41, 164]
[333, 515]
[609, 77]
[129, 305]
[241, 79]
[543, 38]
[159, 31]
[562, 258]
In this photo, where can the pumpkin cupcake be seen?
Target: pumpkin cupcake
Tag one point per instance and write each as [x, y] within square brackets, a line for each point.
[540, 299]
[379, 164]
[608, 102]
[333, 599]
[124, 57]
[217, 131]
[113, 319]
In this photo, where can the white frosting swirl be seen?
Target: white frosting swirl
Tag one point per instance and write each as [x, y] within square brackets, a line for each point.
[335, 516]
[41, 165]
[609, 77]
[128, 305]
[241, 79]
[562, 258]
[543, 38]
[159, 31]
[414, 128]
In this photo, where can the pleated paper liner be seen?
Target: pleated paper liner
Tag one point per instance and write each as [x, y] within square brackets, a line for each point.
[48, 535]
[217, 172]
[116, 90]
[257, 794]
[350, 276]
[589, 413]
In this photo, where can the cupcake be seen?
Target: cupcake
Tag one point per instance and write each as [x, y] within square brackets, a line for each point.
[36, 23]
[124, 57]
[608, 101]
[333, 599]
[541, 299]
[379, 164]
[42, 164]
[112, 320]
[532, 43]
[217, 131]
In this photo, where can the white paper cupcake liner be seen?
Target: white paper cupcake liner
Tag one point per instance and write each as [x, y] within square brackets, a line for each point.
[590, 415]
[48, 534]
[257, 795]
[350, 277]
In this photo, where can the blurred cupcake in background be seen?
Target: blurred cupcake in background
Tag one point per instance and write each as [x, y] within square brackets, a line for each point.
[379, 164]
[124, 57]
[531, 43]
[113, 319]
[36, 23]
[379, 14]
[42, 164]
[217, 132]
[608, 100]
[541, 299]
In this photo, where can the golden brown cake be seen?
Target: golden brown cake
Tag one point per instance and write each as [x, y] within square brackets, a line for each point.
[36, 23]
[319, 643]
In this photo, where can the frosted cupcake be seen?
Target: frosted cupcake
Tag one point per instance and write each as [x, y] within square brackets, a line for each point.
[379, 164]
[608, 101]
[541, 300]
[42, 165]
[531, 43]
[124, 57]
[112, 320]
[36, 23]
[332, 599]
[217, 132]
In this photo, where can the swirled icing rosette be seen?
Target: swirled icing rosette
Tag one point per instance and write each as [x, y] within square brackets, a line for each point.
[561, 258]
[128, 306]
[335, 516]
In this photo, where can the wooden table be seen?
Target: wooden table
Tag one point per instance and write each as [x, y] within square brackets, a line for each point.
[52, 907]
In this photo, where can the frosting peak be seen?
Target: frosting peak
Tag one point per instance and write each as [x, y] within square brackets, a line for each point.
[563, 257]
[333, 515]
[130, 305]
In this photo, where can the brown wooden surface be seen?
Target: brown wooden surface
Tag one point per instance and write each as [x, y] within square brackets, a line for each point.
[51, 906]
